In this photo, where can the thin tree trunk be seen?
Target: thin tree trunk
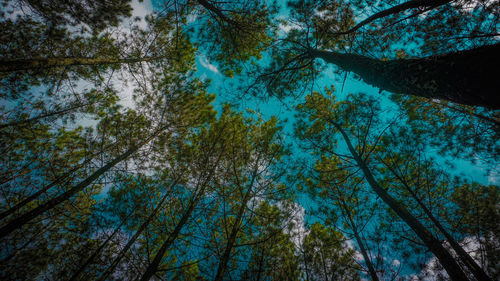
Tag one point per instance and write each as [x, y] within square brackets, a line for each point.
[464, 77]
[493, 120]
[368, 261]
[10, 65]
[476, 270]
[90, 259]
[261, 262]
[210, 7]
[235, 229]
[132, 240]
[395, 10]
[153, 266]
[25, 218]
[41, 116]
[445, 258]
[44, 189]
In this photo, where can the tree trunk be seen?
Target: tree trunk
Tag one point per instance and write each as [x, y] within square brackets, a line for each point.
[476, 270]
[44, 189]
[153, 266]
[42, 116]
[445, 258]
[23, 219]
[132, 240]
[10, 65]
[465, 77]
[90, 259]
[368, 261]
[234, 230]
[395, 10]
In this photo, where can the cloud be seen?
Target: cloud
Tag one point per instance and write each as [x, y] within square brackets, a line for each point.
[206, 64]
[297, 219]
[433, 271]
[141, 10]
[494, 176]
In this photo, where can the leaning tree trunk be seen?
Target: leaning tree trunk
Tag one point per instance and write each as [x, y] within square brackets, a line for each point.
[111, 268]
[445, 258]
[30, 215]
[221, 269]
[101, 247]
[364, 252]
[413, 4]
[153, 266]
[465, 77]
[10, 65]
[476, 270]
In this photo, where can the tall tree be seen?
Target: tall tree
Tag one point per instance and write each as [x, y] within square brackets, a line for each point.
[440, 75]
[345, 118]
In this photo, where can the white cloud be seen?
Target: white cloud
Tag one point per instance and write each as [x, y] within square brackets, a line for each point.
[206, 64]
[297, 218]
[433, 271]
[494, 176]
[357, 256]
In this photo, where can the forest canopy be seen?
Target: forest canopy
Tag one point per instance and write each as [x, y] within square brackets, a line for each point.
[249, 140]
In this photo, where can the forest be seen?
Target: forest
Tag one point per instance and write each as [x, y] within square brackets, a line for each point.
[259, 140]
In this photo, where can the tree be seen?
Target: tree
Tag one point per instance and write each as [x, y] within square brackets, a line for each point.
[443, 75]
[95, 15]
[272, 251]
[341, 195]
[325, 114]
[326, 255]
[416, 176]
[258, 149]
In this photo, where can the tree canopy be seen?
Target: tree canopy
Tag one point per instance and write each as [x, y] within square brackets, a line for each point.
[249, 140]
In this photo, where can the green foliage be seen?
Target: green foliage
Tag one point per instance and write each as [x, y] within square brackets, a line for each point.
[104, 115]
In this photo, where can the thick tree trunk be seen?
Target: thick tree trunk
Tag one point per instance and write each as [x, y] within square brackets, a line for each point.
[465, 77]
[395, 10]
[23, 219]
[10, 65]
[445, 258]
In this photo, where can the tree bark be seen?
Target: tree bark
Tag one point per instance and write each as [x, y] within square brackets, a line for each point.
[11, 65]
[25, 218]
[445, 258]
[465, 77]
